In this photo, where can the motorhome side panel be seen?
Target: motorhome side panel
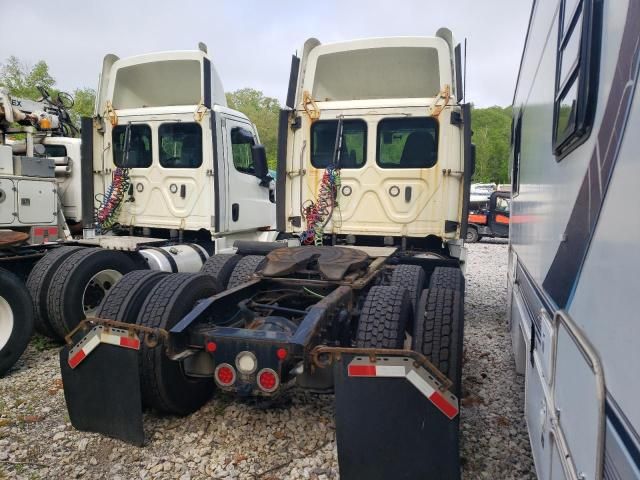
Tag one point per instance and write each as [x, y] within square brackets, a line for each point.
[572, 254]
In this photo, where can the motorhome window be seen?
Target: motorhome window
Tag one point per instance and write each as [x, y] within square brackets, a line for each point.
[139, 146]
[180, 145]
[576, 73]
[516, 140]
[407, 142]
[55, 150]
[354, 143]
[241, 142]
[374, 73]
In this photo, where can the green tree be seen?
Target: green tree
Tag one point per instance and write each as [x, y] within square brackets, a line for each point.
[263, 112]
[83, 100]
[491, 134]
[23, 81]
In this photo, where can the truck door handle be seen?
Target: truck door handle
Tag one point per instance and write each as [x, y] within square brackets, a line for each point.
[235, 212]
[407, 194]
[183, 191]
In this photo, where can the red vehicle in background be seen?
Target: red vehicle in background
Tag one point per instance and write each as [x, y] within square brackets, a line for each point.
[490, 217]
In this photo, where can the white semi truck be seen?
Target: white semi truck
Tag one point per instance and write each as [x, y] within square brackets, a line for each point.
[374, 169]
[573, 253]
[167, 175]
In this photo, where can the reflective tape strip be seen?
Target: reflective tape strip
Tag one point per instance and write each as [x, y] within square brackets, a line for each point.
[375, 370]
[419, 377]
[362, 370]
[84, 347]
[98, 335]
[120, 341]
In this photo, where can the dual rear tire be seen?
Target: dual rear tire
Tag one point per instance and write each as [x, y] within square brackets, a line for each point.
[435, 319]
[160, 300]
[69, 283]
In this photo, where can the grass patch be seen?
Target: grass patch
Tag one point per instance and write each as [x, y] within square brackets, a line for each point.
[41, 343]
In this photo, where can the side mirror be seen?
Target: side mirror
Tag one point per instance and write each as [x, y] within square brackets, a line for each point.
[261, 169]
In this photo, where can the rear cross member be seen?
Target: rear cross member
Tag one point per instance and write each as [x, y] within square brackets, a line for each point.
[404, 367]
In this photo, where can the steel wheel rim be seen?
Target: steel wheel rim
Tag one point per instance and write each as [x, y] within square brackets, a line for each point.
[6, 322]
[97, 288]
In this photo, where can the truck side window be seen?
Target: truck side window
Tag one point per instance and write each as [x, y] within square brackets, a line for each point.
[577, 65]
[354, 143]
[55, 150]
[407, 142]
[241, 142]
[139, 155]
[180, 145]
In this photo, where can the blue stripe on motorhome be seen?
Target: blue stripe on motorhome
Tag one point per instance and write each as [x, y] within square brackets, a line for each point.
[622, 446]
[562, 277]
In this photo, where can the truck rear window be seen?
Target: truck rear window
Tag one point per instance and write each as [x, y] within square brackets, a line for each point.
[180, 145]
[354, 143]
[139, 146]
[407, 143]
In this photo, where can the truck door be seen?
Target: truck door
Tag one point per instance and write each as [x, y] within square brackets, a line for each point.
[248, 204]
[499, 208]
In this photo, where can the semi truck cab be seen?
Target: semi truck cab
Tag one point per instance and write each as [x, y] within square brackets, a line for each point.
[190, 160]
[401, 174]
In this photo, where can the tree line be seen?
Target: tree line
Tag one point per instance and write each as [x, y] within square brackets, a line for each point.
[491, 126]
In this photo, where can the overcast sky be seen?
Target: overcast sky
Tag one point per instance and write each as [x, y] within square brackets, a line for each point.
[251, 42]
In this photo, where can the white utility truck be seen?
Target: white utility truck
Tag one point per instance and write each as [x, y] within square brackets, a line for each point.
[573, 254]
[37, 199]
[374, 169]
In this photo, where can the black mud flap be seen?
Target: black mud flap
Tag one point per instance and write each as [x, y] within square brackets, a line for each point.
[103, 393]
[387, 429]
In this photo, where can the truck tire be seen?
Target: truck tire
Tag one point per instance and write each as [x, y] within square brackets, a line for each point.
[124, 300]
[438, 334]
[411, 277]
[220, 267]
[472, 235]
[38, 285]
[16, 319]
[447, 277]
[80, 284]
[246, 267]
[165, 387]
[386, 311]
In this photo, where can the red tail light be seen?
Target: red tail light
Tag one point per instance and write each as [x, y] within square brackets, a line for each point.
[268, 380]
[225, 375]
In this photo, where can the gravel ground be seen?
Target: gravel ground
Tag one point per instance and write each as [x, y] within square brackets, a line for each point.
[294, 440]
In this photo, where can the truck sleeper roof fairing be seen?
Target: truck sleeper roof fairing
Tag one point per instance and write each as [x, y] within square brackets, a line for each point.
[406, 67]
[159, 79]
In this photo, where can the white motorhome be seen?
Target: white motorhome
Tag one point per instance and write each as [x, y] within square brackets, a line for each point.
[573, 256]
